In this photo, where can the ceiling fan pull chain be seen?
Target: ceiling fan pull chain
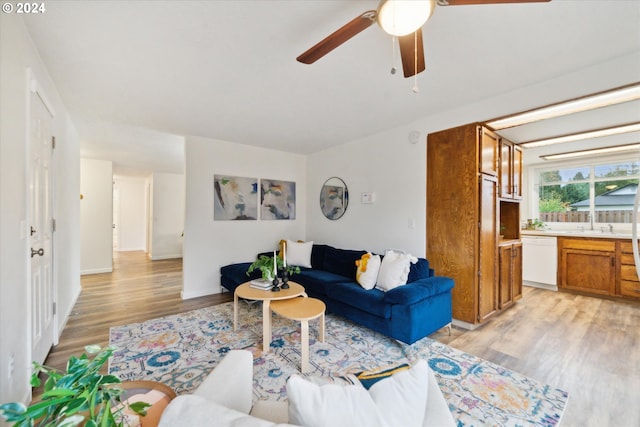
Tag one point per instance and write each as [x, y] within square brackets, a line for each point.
[415, 63]
[393, 50]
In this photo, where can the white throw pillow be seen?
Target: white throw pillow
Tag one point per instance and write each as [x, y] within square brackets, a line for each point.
[401, 399]
[394, 270]
[367, 273]
[330, 405]
[398, 400]
[299, 253]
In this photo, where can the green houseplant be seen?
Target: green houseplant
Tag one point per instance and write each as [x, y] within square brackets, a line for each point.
[80, 395]
[265, 265]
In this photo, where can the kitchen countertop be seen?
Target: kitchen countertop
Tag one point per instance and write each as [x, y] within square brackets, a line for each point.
[578, 233]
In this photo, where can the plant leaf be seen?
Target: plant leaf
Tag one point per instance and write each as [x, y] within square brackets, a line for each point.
[140, 408]
[13, 411]
[71, 421]
[58, 392]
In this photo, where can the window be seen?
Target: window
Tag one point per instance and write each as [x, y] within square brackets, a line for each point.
[603, 193]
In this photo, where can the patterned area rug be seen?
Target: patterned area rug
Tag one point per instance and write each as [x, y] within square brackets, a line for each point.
[181, 350]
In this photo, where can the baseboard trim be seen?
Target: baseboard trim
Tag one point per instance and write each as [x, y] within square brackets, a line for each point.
[197, 294]
[96, 271]
[170, 256]
[68, 314]
[540, 285]
[464, 325]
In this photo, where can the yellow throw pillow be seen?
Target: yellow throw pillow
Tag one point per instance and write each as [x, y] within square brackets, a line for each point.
[367, 272]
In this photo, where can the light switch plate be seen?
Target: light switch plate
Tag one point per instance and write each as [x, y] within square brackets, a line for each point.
[368, 198]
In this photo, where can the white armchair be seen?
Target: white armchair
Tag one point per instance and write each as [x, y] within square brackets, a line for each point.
[225, 399]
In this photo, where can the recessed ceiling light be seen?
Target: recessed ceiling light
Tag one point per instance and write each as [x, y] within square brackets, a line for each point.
[589, 102]
[615, 149]
[597, 133]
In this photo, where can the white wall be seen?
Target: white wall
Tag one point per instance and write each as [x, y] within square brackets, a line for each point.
[387, 164]
[167, 215]
[96, 216]
[132, 224]
[210, 244]
[390, 166]
[18, 53]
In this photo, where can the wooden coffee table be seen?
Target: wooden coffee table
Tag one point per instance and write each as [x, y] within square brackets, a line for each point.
[303, 310]
[247, 292]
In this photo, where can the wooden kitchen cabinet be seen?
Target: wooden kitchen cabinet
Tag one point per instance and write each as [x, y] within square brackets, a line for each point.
[489, 151]
[510, 262]
[629, 284]
[587, 265]
[510, 170]
[464, 218]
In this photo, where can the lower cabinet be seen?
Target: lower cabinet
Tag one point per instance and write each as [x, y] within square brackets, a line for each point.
[629, 282]
[510, 259]
[587, 265]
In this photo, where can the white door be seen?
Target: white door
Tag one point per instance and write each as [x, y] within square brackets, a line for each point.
[41, 225]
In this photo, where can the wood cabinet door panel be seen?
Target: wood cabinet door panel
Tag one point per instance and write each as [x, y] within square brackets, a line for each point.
[628, 272]
[516, 191]
[506, 276]
[489, 152]
[506, 172]
[516, 262]
[488, 280]
[588, 244]
[589, 271]
[630, 288]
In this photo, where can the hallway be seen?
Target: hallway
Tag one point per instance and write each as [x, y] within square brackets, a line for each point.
[138, 289]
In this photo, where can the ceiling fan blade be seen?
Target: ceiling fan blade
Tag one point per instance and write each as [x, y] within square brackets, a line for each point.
[467, 2]
[338, 37]
[408, 47]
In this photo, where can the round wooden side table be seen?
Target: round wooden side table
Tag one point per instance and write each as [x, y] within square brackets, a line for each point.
[266, 296]
[302, 310]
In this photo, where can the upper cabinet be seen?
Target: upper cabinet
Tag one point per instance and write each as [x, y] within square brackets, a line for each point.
[510, 170]
[489, 151]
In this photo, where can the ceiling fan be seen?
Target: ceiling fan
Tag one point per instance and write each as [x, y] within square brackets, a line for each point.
[400, 18]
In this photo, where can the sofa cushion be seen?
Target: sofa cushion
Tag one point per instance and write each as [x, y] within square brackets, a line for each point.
[233, 275]
[316, 282]
[341, 261]
[351, 294]
[317, 256]
[419, 270]
[191, 410]
[419, 290]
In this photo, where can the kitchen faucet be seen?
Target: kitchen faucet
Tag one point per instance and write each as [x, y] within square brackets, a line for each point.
[610, 228]
[591, 221]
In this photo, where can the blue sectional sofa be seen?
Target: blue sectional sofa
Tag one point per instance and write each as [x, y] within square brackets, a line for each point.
[406, 313]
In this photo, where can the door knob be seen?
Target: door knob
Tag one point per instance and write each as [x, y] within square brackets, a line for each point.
[38, 252]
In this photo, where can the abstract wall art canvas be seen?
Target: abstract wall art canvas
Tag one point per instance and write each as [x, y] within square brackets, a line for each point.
[277, 199]
[235, 198]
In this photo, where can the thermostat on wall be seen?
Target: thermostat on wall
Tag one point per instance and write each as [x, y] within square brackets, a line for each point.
[368, 198]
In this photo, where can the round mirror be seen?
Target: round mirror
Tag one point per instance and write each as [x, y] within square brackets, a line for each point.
[334, 198]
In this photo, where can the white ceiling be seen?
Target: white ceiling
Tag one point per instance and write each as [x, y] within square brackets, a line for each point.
[137, 75]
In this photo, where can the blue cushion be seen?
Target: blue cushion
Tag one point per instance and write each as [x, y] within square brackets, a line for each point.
[419, 270]
[354, 295]
[341, 261]
[418, 290]
[316, 281]
[317, 256]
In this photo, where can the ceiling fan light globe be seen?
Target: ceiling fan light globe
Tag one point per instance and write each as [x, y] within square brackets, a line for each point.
[402, 17]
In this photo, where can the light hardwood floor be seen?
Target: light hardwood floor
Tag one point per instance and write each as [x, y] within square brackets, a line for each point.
[587, 346]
